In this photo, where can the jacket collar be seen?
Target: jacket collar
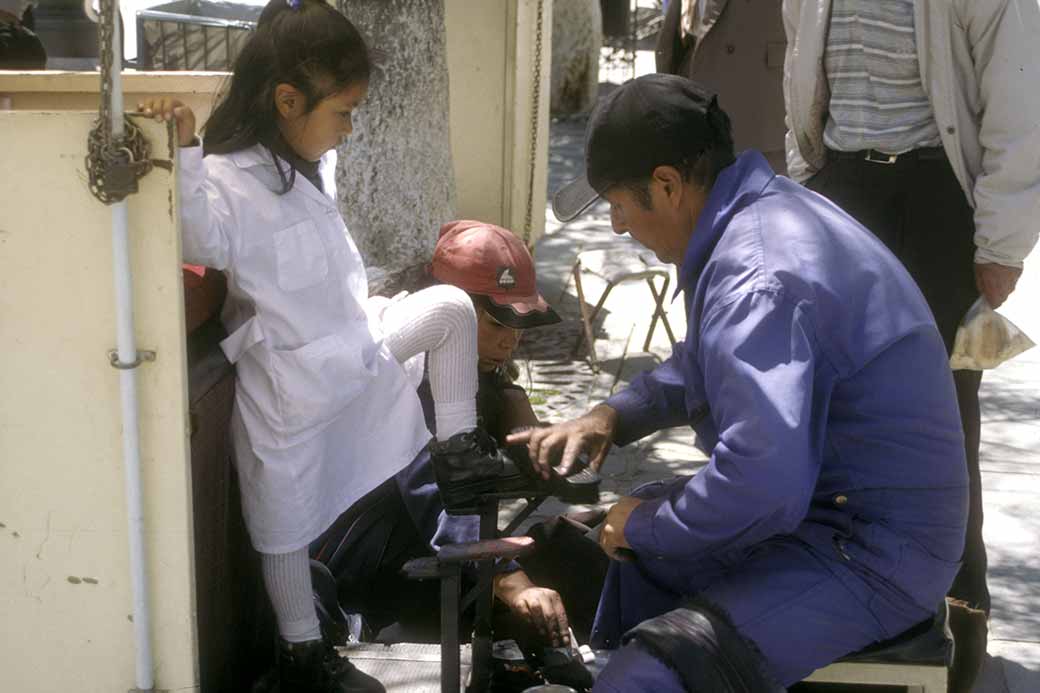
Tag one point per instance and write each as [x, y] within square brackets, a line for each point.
[259, 155]
[737, 186]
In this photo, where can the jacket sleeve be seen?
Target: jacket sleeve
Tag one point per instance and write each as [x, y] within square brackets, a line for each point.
[797, 167]
[1003, 35]
[758, 355]
[205, 213]
[655, 400]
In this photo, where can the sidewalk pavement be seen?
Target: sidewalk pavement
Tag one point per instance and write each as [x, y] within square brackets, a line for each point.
[562, 385]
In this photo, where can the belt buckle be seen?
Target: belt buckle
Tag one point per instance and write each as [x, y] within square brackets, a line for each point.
[876, 157]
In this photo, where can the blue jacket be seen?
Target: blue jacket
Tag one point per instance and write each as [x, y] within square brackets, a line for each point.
[814, 376]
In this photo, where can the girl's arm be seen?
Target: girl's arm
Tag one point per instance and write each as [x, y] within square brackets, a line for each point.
[205, 213]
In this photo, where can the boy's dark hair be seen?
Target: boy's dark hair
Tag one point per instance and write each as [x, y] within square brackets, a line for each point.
[703, 169]
[313, 47]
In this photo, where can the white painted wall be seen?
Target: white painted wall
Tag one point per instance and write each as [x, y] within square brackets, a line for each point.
[64, 567]
[491, 73]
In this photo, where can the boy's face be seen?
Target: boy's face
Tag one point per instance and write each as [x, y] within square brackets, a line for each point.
[495, 342]
[323, 128]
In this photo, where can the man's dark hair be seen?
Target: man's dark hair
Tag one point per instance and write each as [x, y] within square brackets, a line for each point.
[703, 169]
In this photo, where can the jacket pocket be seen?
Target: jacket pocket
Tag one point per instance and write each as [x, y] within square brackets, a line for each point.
[316, 381]
[301, 257]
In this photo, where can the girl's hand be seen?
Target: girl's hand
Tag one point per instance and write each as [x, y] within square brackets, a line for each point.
[167, 109]
[539, 606]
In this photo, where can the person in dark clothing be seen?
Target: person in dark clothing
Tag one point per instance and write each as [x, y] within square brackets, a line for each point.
[494, 267]
[20, 47]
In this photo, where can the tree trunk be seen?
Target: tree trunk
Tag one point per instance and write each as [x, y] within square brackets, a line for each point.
[577, 36]
[395, 177]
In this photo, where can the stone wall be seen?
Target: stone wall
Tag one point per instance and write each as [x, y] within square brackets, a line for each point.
[395, 176]
[577, 35]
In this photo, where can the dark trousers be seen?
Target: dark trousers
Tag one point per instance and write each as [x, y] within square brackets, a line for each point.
[918, 209]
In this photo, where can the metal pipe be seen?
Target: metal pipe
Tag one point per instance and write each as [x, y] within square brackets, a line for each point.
[127, 351]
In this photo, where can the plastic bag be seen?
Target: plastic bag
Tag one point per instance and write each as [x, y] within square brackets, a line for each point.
[986, 339]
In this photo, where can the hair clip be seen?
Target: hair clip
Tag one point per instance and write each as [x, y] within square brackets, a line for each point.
[294, 4]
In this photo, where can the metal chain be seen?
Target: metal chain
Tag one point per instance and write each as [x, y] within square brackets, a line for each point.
[114, 165]
[535, 99]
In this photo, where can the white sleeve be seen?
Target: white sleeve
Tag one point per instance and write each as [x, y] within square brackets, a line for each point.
[206, 215]
[798, 168]
[1003, 38]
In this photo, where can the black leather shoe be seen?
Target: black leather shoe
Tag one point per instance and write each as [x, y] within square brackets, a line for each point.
[316, 667]
[468, 465]
[581, 485]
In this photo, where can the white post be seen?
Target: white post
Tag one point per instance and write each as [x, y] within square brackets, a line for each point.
[126, 348]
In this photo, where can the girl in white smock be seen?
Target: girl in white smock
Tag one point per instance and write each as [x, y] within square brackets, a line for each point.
[324, 411]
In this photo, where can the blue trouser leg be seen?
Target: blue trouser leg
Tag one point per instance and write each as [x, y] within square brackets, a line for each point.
[801, 610]
[633, 669]
[801, 606]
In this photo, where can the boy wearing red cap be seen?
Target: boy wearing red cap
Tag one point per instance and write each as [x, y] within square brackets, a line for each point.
[495, 268]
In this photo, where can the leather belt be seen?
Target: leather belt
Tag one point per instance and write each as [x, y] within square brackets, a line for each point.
[875, 157]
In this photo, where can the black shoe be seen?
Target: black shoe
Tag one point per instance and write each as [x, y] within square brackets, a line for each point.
[580, 486]
[316, 667]
[469, 465]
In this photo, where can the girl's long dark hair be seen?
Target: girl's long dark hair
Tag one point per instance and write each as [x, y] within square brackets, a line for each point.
[313, 47]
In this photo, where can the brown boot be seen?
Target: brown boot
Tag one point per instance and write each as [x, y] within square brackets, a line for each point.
[970, 632]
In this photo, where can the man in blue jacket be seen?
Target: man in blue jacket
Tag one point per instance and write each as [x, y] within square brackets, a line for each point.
[831, 514]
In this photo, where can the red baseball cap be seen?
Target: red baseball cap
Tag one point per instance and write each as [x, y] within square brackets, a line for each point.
[487, 260]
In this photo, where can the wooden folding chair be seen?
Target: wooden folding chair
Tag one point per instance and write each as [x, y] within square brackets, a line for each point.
[616, 266]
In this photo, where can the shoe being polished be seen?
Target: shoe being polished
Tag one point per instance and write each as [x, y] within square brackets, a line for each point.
[580, 485]
[316, 667]
[468, 465]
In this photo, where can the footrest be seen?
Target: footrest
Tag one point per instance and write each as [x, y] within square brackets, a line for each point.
[425, 568]
[505, 548]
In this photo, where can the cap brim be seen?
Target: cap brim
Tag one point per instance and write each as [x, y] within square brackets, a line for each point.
[573, 198]
[522, 314]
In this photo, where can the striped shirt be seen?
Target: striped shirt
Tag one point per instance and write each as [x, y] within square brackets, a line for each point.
[877, 99]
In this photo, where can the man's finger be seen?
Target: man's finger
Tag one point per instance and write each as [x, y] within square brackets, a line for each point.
[573, 448]
[520, 437]
[545, 450]
[596, 460]
[534, 448]
[562, 621]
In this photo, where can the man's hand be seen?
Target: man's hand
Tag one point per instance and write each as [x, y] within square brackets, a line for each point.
[612, 536]
[167, 109]
[593, 432]
[539, 606]
[996, 282]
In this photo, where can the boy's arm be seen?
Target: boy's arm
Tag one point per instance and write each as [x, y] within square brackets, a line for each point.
[516, 411]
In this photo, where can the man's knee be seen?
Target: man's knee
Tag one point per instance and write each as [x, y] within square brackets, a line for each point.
[633, 669]
[700, 644]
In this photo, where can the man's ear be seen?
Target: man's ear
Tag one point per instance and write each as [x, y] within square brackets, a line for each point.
[288, 101]
[671, 182]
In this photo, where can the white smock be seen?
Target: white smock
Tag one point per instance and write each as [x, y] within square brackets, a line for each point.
[323, 412]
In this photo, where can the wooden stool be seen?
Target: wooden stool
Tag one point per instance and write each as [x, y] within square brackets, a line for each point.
[919, 659]
[616, 266]
[916, 678]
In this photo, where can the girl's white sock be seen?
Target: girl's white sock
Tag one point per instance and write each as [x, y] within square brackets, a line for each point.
[442, 322]
[287, 577]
